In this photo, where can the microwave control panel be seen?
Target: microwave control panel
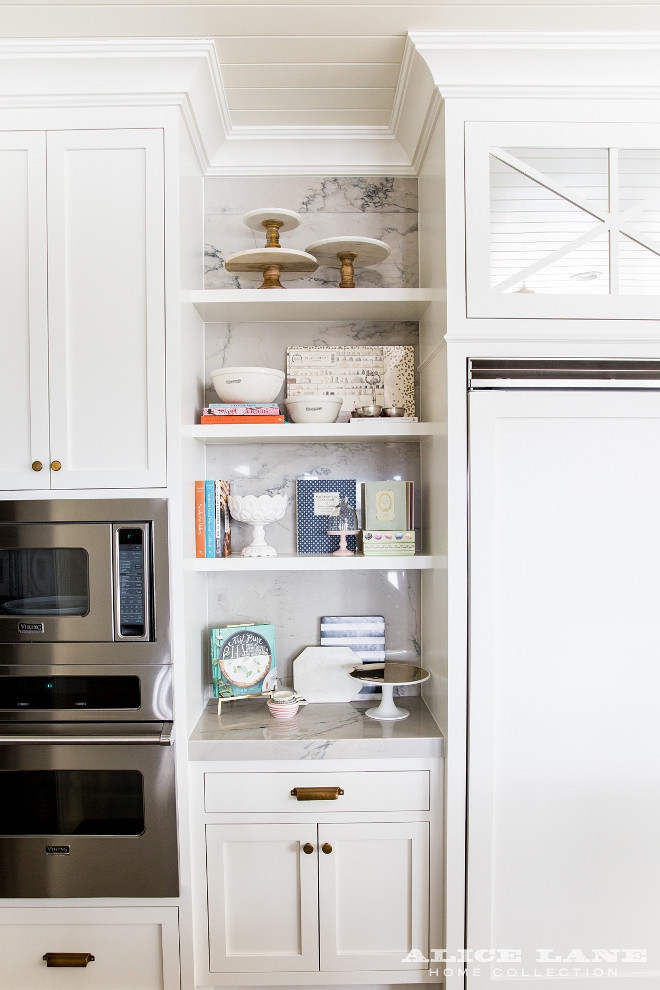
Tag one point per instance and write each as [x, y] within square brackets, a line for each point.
[131, 552]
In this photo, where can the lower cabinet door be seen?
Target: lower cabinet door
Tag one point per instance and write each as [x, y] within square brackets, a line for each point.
[132, 948]
[374, 896]
[262, 898]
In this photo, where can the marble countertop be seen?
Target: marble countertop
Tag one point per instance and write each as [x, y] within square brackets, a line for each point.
[247, 731]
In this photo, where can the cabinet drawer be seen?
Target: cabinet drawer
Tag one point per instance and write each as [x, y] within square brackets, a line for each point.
[398, 790]
[131, 950]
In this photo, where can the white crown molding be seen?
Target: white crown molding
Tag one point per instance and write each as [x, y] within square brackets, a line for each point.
[537, 40]
[505, 64]
[186, 74]
[147, 72]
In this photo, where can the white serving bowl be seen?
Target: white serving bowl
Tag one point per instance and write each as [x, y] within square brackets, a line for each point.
[247, 384]
[313, 409]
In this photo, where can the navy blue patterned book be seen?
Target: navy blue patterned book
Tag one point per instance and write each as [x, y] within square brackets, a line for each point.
[316, 502]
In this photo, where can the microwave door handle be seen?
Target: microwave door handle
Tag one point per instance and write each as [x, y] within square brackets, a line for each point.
[164, 737]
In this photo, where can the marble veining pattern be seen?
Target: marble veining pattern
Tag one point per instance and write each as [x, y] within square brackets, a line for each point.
[295, 601]
[382, 208]
[253, 469]
[317, 733]
[236, 344]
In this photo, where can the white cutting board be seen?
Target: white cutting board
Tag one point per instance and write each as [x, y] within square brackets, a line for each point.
[321, 673]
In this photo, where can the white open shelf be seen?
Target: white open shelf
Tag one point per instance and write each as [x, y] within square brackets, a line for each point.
[315, 562]
[382, 430]
[307, 305]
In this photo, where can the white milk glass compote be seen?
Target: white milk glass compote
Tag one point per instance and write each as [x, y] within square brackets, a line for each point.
[258, 511]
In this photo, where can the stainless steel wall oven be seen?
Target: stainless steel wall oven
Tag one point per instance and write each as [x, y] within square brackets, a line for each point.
[87, 795]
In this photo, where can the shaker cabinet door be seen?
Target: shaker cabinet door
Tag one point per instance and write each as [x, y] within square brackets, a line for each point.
[106, 308]
[564, 755]
[24, 312]
[374, 895]
[262, 898]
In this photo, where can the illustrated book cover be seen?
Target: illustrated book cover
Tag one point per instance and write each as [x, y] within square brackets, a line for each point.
[388, 505]
[243, 659]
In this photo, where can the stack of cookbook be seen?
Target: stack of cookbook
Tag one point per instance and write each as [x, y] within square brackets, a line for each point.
[219, 413]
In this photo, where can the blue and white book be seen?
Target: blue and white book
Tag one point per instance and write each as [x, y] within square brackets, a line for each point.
[317, 503]
[209, 503]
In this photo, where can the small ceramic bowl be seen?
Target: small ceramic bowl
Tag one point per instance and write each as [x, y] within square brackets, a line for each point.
[283, 703]
[313, 409]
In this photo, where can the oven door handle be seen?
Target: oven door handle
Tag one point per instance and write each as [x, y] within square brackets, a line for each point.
[163, 737]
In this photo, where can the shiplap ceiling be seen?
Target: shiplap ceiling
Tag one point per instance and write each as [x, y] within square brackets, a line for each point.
[309, 63]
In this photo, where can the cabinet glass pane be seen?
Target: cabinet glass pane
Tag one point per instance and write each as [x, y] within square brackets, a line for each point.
[575, 221]
[547, 207]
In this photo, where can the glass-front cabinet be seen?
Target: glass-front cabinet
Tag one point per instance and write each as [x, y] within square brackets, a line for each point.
[562, 220]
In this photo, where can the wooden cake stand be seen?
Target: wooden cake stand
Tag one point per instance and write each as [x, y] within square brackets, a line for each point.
[272, 259]
[388, 676]
[347, 253]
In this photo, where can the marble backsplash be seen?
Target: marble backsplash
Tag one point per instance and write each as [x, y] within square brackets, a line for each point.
[384, 208]
[236, 344]
[294, 602]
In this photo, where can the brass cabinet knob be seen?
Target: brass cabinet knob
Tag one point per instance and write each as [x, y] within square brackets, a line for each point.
[326, 848]
[56, 465]
[37, 465]
[308, 848]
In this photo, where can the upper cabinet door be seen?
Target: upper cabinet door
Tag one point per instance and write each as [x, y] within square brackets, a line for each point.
[24, 312]
[106, 308]
[563, 220]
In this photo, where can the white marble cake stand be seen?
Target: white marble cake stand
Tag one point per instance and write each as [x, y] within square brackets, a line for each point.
[272, 220]
[349, 253]
[388, 676]
[271, 261]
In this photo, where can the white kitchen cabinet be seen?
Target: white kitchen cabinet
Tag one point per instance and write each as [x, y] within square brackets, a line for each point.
[262, 898]
[317, 888]
[305, 897]
[373, 895]
[134, 947]
[84, 376]
[562, 219]
[563, 778]
[24, 311]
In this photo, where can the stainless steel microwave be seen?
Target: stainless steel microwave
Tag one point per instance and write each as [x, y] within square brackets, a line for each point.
[84, 581]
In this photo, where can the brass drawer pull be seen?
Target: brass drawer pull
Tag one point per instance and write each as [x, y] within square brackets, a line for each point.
[37, 465]
[68, 958]
[56, 465]
[326, 848]
[316, 793]
[308, 848]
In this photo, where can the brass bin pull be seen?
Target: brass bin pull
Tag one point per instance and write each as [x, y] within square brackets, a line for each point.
[316, 793]
[70, 959]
